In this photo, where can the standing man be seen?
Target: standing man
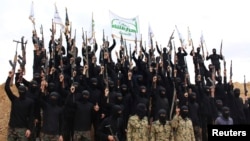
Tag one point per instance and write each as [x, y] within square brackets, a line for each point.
[225, 118]
[21, 114]
[215, 61]
[183, 126]
[112, 128]
[138, 126]
[161, 129]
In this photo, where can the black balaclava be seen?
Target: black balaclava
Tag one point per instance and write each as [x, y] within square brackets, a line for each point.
[116, 111]
[22, 91]
[111, 85]
[219, 79]
[141, 110]
[164, 50]
[162, 92]
[143, 91]
[198, 50]
[124, 89]
[184, 112]
[53, 98]
[78, 61]
[237, 92]
[33, 86]
[118, 98]
[51, 87]
[225, 112]
[192, 97]
[179, 49]
[94, 82]
[214, 51]
[162, 115]
[85, 96]
[219, 105]
[37, 77]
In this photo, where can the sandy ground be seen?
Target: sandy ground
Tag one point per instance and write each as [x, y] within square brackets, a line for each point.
[5, 108]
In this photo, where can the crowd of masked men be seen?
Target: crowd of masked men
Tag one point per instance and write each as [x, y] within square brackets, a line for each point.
[138, 96]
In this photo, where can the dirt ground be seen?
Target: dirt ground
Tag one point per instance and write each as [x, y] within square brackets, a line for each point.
[5, 108]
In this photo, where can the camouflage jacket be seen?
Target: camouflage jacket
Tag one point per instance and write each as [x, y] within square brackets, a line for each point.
[137, 130]
[161, 132]
[183, 129]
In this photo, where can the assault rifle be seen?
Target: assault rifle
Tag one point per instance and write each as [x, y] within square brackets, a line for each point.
[110, 129]
[53, 31]
[87, 55]
[123, 51]
[73, 53]
[60, 52]
[22, 59]
[14, 62]
[135, 43]
[231, 71]
[245, 86]
[130, 54]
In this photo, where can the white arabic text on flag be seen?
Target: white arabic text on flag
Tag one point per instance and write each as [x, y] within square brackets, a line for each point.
[128, 27]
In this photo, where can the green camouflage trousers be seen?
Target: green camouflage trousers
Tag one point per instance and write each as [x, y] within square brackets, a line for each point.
[47, 137]
[82, 136]
[197, 133]
[17, 134]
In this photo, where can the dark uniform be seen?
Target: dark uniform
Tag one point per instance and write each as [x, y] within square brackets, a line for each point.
[21, 115]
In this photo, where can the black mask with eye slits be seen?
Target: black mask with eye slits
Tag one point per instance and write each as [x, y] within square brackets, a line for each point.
[116, 111]
[237, 92]
[93, 82]
[162, 116]
[124, 88]
[51, 87]
[118, 98]
[37, 77]
[141, 110]
[53, 98]
[85, 96]
[33, 86]
[184, 112]
[192, 97]
[143, 91]
[22, 91]
[162, 92]
[225, 112]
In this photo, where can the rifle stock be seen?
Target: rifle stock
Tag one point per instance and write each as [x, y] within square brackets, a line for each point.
[14, 62]
[221, 47]
[231, 71]
[87, 55]
[60, 53]
[245, 86]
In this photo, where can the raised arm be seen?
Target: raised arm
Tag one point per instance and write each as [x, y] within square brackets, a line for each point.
[7, 87]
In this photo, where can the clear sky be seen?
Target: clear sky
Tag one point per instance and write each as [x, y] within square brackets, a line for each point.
[226, 20]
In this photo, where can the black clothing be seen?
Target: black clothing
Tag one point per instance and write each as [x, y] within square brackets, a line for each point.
[22, 109]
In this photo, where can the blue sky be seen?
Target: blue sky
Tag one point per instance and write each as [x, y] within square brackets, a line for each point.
[223, 19]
